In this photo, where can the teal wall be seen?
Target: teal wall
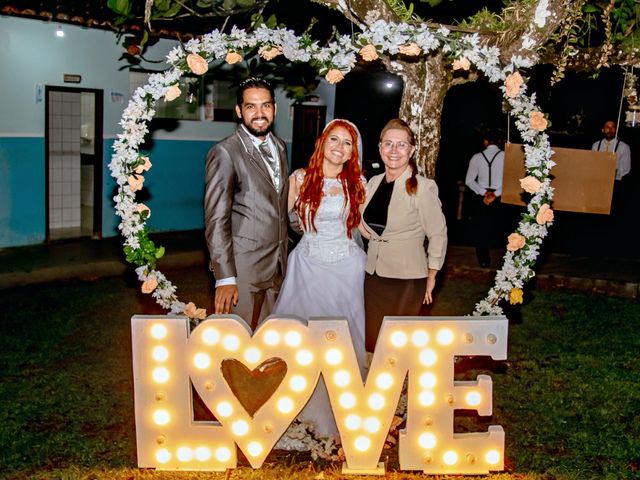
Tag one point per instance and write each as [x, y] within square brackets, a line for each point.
[31, 55]
[173, 188]
[22, 215]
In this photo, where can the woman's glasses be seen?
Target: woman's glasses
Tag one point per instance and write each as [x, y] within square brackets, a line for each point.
[400, 146]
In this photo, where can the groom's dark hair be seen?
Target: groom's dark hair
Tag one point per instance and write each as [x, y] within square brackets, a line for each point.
[253, 82]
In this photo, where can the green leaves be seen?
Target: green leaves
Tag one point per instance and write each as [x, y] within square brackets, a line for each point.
[403, 12]
[590, 8]
[121, 7]
[166, 9]
[146, 254]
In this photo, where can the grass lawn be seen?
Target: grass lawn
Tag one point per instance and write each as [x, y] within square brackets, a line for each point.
[568, 397]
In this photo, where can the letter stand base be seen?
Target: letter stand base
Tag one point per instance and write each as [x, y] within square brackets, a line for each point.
[359, 471]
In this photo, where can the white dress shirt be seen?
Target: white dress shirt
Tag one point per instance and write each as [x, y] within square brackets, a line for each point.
[478, 173]
[623, 154]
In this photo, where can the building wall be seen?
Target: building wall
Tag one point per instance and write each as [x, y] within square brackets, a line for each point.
[32, 57]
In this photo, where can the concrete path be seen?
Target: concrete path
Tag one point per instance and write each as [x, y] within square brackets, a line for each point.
[89, 259]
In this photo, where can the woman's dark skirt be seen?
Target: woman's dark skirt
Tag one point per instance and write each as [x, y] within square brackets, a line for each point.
[389, 297]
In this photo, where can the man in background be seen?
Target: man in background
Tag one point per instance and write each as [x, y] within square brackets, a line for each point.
[484, 179]
[611, 143]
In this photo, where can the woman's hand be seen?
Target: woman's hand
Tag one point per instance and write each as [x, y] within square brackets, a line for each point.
[431, 283]
[363, 231]
[294, 192]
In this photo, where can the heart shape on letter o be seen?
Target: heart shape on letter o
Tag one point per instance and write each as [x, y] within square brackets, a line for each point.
[253, 388]
[227, 340]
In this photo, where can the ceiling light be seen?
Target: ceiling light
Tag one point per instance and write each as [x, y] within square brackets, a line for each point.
[59, 32]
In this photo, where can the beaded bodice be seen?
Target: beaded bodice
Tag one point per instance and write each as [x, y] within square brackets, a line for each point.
[329, 243]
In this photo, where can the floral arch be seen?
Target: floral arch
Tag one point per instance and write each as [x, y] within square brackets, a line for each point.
[334, 61]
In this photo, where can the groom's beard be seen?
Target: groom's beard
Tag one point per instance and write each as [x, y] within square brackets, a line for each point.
[258, 132]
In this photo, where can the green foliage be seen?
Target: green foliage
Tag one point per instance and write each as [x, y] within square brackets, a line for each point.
[624, 18]
[121, 7]
[404, 13]
[432, 3]
[166, 9]
[147, 253]
[485, 20]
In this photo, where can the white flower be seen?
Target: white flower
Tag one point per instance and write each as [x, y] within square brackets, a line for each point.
[527, 42]
[371, 16]
[542, 12]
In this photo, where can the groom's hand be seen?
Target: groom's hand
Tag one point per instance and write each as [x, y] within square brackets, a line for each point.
[225, 296]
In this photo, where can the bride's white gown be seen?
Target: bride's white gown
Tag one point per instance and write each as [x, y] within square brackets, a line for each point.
[325, 277]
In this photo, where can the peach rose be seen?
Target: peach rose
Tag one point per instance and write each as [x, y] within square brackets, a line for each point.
[530, 184]
[516, 242]
[150, 284]
[368, 53]
[269, 53]
[545, 214]
[144, 167]
[233, 57]
[537, 121]
[191, 311]
[135, 182]
[334, 76]
[173, 93]
[513, 83]
[461, 63]
[197, 64]
[515, 296]
[410, 49]
[142, 209]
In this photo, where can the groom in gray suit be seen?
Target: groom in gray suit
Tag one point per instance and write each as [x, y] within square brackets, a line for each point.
[245, 208]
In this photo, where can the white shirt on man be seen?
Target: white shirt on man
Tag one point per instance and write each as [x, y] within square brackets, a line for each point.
[481, 167]
[622, 151]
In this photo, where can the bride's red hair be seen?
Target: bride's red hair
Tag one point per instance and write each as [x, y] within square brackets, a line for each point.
[350, 178]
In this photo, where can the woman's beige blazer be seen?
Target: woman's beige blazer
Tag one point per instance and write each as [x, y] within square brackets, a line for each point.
[400, 251]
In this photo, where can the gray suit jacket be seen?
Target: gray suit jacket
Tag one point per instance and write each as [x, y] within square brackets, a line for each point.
[245, 217]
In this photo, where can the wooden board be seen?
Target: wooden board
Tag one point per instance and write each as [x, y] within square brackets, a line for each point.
[582, 179]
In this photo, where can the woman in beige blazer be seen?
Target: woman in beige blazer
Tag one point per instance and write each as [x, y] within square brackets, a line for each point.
[401, 210]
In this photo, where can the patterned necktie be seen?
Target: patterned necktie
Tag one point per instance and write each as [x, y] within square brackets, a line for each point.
[273, 164]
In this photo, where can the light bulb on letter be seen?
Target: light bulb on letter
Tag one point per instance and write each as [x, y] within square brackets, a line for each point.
[450, 457]
[223, 454]
[342, 378]
[160, 353]
[210, 336]
[444, 337]
[240, 427]
[492, 457]
[158, 331]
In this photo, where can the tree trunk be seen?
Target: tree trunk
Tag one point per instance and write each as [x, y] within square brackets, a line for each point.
[425, 85]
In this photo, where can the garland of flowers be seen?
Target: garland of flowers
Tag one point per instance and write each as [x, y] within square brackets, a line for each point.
[334, 60]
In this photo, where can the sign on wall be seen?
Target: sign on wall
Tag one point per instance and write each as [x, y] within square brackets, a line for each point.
[168, 358]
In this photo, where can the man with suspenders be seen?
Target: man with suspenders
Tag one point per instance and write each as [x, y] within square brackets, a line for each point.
[611, 143]
[621, 187]
[484, 178]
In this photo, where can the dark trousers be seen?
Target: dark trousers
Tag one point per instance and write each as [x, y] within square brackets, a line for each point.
[391, 297]
[486, 226]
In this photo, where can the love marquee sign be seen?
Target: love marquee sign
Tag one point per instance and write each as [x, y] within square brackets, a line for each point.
[169, 357]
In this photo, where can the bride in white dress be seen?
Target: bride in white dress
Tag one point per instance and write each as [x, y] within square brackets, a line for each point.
[325, 272]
